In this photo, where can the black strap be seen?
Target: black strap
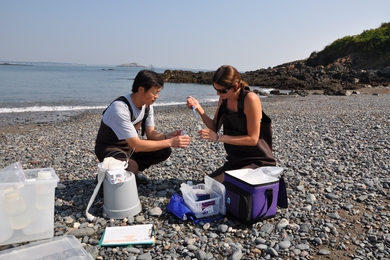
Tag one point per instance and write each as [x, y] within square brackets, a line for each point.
[240, 106]
[282, 194]
[240, 101]
[221, 111]
[270, 197]
[147, 108]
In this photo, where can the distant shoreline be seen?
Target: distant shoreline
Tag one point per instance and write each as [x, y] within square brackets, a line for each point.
[23, 121]
[14, 64]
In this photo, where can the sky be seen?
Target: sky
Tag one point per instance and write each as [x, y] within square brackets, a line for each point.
[177, 34]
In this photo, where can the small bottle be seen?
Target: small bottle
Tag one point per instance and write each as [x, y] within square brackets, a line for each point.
[16, 209]
[184, 133]
[44, 191]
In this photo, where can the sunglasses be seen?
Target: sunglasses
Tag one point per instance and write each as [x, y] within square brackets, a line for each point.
[222, 91]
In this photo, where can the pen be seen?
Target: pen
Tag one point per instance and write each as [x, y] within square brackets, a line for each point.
[151, 232]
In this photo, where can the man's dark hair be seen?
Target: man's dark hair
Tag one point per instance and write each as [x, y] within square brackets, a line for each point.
[147, 79]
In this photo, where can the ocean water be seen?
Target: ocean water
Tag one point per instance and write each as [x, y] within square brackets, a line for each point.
[80, 87]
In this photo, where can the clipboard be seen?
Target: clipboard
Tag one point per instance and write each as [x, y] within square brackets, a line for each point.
[143, 234]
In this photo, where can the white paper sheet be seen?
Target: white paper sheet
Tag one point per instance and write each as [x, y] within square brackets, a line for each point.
[128, 235]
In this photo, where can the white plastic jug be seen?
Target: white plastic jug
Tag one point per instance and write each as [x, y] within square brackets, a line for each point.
[44, 192]
[5, 225]
[16, 209]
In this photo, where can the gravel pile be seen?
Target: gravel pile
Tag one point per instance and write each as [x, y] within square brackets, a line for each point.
[336, 156]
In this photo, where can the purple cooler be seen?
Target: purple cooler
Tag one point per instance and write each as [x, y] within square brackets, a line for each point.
[251, 195]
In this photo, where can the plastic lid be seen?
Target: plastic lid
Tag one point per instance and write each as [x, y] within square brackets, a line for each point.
[44, 175]
[12, 195]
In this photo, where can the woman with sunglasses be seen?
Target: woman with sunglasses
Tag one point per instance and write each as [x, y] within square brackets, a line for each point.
[246, 134]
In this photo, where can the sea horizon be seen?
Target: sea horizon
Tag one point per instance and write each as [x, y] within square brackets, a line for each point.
[64, 87]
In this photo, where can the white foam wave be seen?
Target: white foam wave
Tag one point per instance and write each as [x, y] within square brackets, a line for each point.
[157, 104]
[264, 90]
[47, 108]
[77, 108]
[173, 103]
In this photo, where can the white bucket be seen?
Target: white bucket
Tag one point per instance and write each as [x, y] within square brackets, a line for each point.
[121, 200]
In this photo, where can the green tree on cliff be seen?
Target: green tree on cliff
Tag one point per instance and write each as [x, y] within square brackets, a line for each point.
[368, 50]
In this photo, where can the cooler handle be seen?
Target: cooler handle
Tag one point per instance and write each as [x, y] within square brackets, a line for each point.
[270, 198]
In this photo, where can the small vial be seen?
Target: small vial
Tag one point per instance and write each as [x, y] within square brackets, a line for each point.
[184, 133]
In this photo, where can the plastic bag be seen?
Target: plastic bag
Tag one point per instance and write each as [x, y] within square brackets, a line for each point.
[261, 175]
[12, 173]
[110, 163]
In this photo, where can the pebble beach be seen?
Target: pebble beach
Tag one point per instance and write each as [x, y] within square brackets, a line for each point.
[335, 151]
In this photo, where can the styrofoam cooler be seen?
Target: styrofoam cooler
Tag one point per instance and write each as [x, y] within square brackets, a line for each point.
[121, 199]
[251, 199]
[27, 204]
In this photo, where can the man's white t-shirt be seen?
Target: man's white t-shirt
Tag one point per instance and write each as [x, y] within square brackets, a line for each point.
[118, 118]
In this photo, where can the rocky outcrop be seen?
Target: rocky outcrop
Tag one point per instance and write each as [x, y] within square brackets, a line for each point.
[333, 79]
[133, 64]
[185, 76]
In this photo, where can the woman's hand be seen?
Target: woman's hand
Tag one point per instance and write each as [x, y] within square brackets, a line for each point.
[192, 103]
[208, 134]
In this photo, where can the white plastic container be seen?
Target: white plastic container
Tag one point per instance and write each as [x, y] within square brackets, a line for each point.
[65, 247]
[207, 207]
[28, 202]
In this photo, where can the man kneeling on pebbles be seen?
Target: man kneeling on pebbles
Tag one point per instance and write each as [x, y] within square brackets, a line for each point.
[118, 133]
